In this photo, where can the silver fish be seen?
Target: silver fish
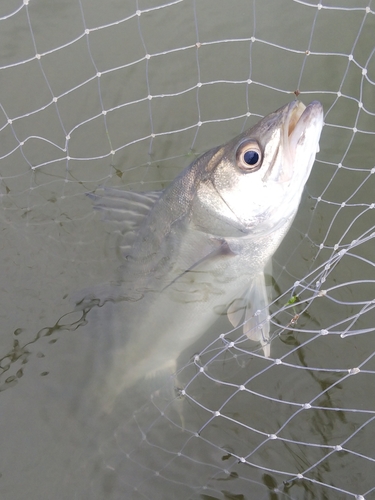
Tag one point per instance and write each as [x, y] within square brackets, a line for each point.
[200, 247]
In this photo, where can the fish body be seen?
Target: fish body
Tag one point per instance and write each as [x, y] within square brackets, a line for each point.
[199, 248]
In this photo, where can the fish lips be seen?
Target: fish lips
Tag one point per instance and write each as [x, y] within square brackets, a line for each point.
[301, 129]
[304, 125]
[300, 138]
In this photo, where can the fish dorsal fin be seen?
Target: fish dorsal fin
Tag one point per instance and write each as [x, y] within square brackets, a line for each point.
[123, 206]
[126, 209]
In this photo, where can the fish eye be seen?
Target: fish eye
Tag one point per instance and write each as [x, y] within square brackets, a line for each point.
[249, 156]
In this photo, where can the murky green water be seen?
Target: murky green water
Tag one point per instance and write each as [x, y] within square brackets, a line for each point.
[56, 441]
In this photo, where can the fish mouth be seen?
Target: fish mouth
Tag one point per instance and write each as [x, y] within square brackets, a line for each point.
[301, 127]
[299, 119]
[295, 111]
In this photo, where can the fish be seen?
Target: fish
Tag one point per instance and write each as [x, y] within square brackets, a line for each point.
[200, 248]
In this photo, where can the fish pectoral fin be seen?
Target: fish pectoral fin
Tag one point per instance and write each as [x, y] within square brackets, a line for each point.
[222, 248]
[257, 324]
[217, 249]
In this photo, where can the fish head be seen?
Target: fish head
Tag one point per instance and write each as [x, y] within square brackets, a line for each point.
[253, 184]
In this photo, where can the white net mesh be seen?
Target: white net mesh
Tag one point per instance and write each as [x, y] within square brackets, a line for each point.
[126, 94]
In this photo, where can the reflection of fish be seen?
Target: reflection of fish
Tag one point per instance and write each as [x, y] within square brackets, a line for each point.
[200, 247]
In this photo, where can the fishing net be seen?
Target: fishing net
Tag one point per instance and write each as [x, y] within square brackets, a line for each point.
[126, 94]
